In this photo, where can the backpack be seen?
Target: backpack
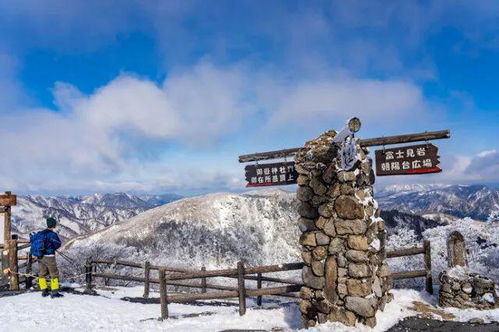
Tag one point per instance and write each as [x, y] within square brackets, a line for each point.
[37, 244]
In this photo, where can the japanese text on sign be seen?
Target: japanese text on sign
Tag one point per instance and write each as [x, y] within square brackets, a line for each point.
[271, 174]
[416, 159]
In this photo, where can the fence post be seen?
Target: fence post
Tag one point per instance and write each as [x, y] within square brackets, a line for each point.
[427, 263]
[203, 281]
[29, 270]
[259, 286]
[241, 289]
[163, 296]
[147, 273]
[88, 274]
[13, 264]
[7, 225]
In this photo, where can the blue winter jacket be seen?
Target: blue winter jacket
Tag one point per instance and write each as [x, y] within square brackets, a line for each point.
[52, 242]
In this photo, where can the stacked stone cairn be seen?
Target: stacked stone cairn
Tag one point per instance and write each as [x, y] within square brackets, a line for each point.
[461, 288]
[346, 277]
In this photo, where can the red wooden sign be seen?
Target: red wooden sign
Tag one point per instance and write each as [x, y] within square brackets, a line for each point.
[407, 160]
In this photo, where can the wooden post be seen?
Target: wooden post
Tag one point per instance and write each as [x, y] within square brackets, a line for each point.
[163, 296]
[241, 289]
[29, 270]
[427, 264]
[88, 274]
[13, 265]
[147, 274]
[203, 281]
[259, 286]
[7, 227]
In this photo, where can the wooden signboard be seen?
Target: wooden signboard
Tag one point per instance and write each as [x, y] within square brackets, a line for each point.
[413, 159]
[276, 174]
[8, 200]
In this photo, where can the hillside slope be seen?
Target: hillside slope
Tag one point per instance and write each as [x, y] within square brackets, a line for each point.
[212, 230]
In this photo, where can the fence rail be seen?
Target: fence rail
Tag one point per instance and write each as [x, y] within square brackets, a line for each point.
[426, 273]
[175, 276]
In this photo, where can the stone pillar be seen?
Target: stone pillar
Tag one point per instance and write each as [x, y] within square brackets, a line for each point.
[456, 250]
[346, 276]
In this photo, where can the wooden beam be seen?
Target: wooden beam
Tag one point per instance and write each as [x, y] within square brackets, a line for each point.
[273, 290]
[388, 140]
[163, 295]
[241, 288]
[203, 281]
[7, 227]
[117, 262]
[168, 282]
[427, 265]
[405, 252]
[268, 155]
[203, 296]
[408, 274]
[13, 265]
[408, 138]
[147, 276]
[259, 286]
[284, 291]
[234, 272]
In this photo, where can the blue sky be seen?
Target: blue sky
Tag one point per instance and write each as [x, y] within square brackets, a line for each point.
[159, 96]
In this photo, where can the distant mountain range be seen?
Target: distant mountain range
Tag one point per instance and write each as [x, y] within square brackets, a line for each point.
[478, 202]
[79, 215]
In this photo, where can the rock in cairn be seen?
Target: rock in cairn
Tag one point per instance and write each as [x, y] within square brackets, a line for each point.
[346, 276]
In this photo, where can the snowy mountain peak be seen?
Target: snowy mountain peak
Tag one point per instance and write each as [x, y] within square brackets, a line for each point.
[191, 230]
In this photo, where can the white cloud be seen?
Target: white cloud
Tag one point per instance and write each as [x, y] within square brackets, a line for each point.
[88, 138]
[102, 139]
[378, 101]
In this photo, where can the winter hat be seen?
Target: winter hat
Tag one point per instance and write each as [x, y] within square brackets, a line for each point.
[51, 222]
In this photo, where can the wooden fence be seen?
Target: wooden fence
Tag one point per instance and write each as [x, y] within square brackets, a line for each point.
[11, 268]
[426, 251]
[198, 279]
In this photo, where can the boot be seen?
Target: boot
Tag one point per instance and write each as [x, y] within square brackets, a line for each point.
[43, 286]
[54, 283]
[55, 294]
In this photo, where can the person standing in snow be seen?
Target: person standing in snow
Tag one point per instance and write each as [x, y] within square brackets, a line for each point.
[47, 263]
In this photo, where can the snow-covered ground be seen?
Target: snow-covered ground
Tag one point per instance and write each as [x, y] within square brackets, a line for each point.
[30, 312]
